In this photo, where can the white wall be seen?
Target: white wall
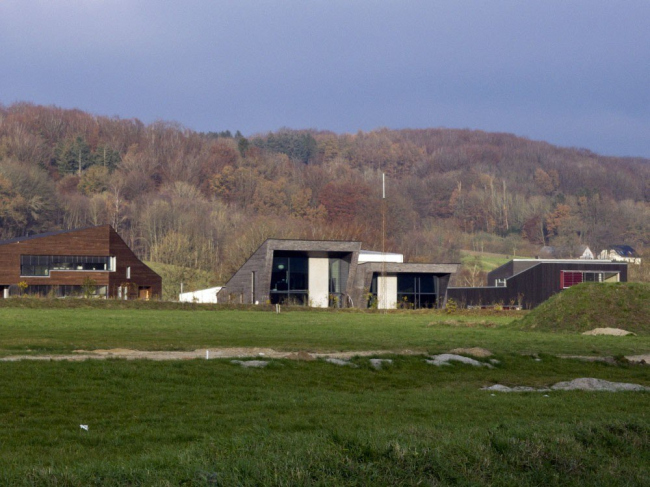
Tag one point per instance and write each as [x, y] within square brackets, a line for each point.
[371, 256]
[319, 270]
[387, 292]
[201, 296]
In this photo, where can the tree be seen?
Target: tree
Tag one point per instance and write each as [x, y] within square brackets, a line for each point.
[72, 156]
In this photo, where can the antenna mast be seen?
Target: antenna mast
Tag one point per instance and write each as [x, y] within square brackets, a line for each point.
[384, 284]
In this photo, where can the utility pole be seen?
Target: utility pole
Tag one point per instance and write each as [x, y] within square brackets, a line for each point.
[384, 283]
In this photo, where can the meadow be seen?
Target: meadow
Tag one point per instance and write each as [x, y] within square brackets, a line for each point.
[212, 422]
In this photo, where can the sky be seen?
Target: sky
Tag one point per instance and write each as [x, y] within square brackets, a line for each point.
[573, 73]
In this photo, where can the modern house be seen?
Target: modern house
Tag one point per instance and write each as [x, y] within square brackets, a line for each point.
[89, 261]
[620, 253]
[529, 282]
[330, 273]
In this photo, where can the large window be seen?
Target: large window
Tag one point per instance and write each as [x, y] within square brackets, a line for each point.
[289, 279]
[67, 291]
[42, 265]
[571, 278]
[416, 290]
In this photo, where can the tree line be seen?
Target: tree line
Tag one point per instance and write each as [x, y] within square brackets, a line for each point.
[207, 200]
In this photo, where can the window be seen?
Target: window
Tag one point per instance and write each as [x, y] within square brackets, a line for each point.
[43, 265]
[128, 272]
[500, 282]
[571, 278]
[289, 278]
[416, 290]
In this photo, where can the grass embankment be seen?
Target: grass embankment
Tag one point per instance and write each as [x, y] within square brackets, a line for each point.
[485, 261]
[43, 330]
[201, 423]
[588, 306]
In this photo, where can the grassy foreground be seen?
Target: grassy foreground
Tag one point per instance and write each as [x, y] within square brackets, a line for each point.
[200, 423]
[45, 330]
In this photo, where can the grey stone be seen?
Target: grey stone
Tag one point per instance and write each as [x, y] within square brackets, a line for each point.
[378, 363]
[251, 363]
[446, 358]
[341, 362]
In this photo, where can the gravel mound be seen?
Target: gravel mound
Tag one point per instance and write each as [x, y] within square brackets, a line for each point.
[590, 384]
[447, 358]
[341, 362]
[617, 332]
[582, 384]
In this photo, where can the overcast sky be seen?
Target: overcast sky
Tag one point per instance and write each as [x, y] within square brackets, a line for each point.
[574, 73]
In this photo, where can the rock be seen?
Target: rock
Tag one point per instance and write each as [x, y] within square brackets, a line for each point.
[446, 358]
[300, 356]
[258, 364]
[378, 363]
[609, 331]
[639, 359]
[474, 352]
[590, 384]
[341, 362]
[494, 361]
[589, 358]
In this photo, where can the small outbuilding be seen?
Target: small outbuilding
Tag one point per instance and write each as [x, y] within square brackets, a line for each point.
[527, 283]
[208, 295]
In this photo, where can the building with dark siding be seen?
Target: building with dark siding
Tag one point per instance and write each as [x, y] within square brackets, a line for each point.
[529, 282]
[327, 273]
[79, 262]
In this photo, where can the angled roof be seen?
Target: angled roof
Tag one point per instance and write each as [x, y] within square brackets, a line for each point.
[624, 250]
[41, 235]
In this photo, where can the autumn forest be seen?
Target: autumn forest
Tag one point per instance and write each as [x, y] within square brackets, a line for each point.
[207, 200]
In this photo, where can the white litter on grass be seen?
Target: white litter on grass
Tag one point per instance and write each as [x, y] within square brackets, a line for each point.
[378, 363]
[251, 363]
[582, 384]
[341, 362]
[446, 358]
[84, 427]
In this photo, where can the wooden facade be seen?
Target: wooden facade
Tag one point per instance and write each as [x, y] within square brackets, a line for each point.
[530, 282]
[130, 278]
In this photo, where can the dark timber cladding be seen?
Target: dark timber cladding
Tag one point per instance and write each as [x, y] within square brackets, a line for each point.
[528, 283]
[328, 273]
[60, 262]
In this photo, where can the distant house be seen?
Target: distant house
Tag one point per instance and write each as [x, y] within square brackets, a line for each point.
[620, 253]
[89, 261]
[529, 282]
[576, 252]
[208, 295]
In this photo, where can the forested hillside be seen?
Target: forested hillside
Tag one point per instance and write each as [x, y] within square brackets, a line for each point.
[207, 200]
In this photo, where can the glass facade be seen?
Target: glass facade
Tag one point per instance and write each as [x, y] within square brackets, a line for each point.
[414, 291]
[338, 280]
[42, 265]
[290, 278]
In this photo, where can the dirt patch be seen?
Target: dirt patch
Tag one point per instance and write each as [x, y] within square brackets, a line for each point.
[464, 324]
[474, 352]
[211, 353]
[639, 359]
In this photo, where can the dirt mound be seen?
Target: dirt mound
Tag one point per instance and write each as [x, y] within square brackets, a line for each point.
[617, 332]
[474, 352]
[587, 306]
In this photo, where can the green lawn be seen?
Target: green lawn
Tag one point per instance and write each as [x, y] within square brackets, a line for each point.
[313, 423]
[208, 423]
[63, 330]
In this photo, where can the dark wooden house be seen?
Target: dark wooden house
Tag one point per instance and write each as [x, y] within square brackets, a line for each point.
[90, 261]
[330, 273]
[529, 282]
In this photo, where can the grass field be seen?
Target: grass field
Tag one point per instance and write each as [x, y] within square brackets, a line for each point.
[200, 423]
